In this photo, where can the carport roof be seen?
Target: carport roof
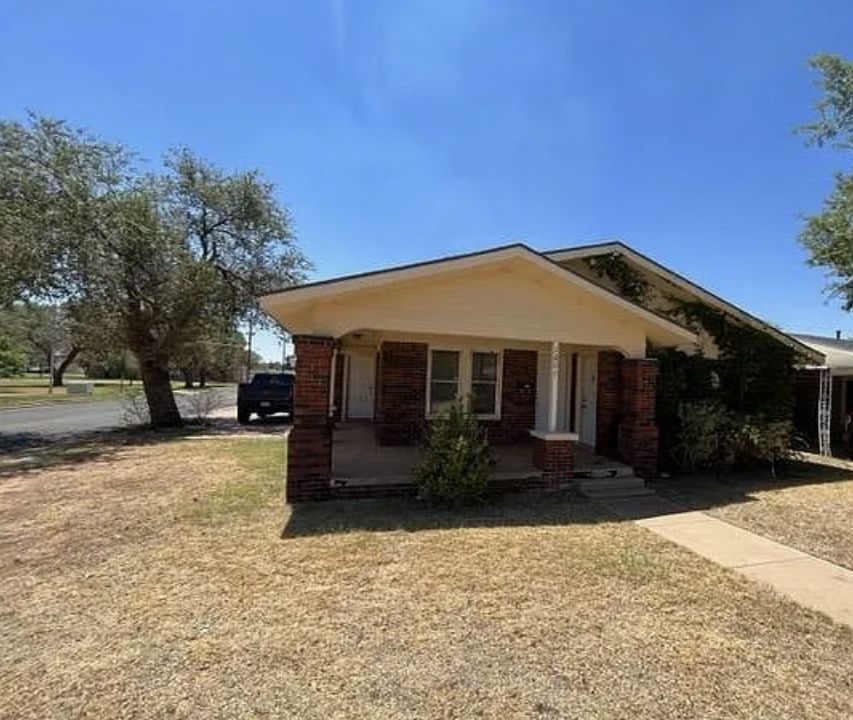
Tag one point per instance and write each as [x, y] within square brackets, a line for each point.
[838, 353]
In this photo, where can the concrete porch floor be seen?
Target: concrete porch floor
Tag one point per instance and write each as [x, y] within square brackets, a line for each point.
[357, 460]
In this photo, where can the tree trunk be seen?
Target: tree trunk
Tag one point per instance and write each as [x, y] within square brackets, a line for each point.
[202, 378]
[188, 378]
[158, 392]
[59, 372]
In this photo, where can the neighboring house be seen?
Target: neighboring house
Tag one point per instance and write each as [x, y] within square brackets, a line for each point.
[548, 346]
[838, 354]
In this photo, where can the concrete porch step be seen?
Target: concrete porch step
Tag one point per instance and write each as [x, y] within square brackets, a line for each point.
[596, 472]
[614, 487]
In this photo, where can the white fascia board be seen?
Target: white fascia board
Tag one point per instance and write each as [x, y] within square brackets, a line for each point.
[389, 276]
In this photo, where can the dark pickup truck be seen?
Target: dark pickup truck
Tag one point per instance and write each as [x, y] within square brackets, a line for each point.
[267, 394]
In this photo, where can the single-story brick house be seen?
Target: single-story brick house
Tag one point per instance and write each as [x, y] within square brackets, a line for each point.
[548, 348]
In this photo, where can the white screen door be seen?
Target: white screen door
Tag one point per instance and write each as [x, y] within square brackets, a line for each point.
[588, 381]
[361, 385]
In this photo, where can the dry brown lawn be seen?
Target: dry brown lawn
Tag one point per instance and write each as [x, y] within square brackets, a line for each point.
[152, 581]
[809, 507]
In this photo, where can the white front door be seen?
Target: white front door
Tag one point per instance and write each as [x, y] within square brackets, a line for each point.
[567, 394]
[588, 381]
[361, 385]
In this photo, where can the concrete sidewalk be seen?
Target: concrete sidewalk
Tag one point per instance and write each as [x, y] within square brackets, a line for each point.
[807, 580]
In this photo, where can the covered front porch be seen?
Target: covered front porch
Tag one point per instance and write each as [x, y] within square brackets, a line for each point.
[553, 412]
[361, 466]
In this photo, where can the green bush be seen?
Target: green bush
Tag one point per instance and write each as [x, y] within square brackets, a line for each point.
[712, 438]
[13, 361]
[757, 439]
[454, 469]
[730, 411]
[700, 441]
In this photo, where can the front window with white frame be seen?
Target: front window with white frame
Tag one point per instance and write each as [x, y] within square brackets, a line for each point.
[472, 376]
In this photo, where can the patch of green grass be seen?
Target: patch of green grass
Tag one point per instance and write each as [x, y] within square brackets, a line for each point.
[34, 390]
[257, 478]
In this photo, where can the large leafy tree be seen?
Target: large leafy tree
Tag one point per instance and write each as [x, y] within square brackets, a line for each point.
[828, 235]
[53, 335]
[149, 258]
[217, 355]
[13, 343]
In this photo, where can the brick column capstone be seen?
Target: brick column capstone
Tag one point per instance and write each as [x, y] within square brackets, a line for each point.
[638, 431]
[309, 446]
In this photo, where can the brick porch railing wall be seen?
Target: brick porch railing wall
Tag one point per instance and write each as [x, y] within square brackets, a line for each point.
[309, 448]
[555, 458]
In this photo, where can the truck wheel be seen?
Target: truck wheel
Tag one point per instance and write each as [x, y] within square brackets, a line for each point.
[243, 415]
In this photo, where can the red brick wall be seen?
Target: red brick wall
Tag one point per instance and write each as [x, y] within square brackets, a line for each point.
[338, 402]
[556, 459]
[518, 398]
[309, 445]
[638, 432]
[401, 380]
[608, 403]
[401, 385]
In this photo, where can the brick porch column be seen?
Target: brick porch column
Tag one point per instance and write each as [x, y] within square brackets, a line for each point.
[309, 445]
[638, 431]
[608, 404]
[554, 454]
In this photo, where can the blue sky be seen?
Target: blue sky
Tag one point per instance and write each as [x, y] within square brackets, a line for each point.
[401, 130]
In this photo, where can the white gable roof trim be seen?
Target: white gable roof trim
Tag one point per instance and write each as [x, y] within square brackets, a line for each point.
[379, 278]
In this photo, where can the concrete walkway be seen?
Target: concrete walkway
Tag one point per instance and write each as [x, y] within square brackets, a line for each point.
[807, 580]
[827, 460]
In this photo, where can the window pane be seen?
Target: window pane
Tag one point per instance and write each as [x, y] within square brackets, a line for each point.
[484, 366]
[445, 365]
[441, 396]
[483, 398]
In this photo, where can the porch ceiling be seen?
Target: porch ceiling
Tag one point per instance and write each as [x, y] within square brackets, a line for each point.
[509, 293]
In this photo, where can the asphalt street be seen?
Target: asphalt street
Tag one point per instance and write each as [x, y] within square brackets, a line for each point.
[24, 426]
